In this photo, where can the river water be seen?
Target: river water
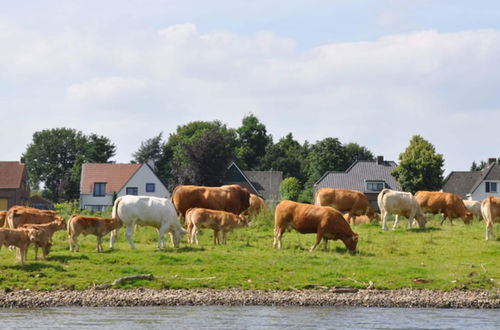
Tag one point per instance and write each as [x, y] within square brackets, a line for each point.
[249, 317]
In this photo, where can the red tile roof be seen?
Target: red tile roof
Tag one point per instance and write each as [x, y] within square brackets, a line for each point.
[114, 175]
[11, 175]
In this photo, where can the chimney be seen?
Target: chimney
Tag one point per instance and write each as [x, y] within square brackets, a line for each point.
[380, 160]
[492, 161]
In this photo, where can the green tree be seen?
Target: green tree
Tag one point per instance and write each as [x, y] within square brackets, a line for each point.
[54, 158]
[150, 150]
[290, 189]
[420, 167]
[325, 155]
[356, 152]
[252, 143]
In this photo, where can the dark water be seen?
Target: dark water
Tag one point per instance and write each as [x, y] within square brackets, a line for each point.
[249, 317]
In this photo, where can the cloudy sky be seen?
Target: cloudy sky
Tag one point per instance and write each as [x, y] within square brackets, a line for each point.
[373, 72]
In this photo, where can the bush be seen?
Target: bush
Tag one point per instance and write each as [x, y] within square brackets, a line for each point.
[290, 189]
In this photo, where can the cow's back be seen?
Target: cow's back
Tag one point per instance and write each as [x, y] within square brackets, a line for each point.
[343, 200]
[144, 210]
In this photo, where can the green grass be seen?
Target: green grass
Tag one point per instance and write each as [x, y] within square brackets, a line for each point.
[450, 257]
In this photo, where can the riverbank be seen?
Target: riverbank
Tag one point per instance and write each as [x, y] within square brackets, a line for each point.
[407, 298]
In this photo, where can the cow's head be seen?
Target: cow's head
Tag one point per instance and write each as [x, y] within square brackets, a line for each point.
[468, 217]
[351, 243]
[35, 235]
[242, 220]
[421, 219]
[176, 236]
[61, 223]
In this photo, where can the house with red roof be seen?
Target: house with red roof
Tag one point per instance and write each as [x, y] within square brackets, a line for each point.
[14, 185]
[101, 183]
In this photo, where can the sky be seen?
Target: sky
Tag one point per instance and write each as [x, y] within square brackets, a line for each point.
[374, 72]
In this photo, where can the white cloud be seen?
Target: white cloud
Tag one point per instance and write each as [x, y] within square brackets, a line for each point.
[106, 88]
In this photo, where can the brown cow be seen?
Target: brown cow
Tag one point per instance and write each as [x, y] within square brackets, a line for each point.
[17, 216]
[257, 204]
[345, 200]
[3, 214]
[90, 226]
[490, 208]
[451, 205]
[219, 221]
[326, 222]
[18, 238]
[41, 235]
[230, 198]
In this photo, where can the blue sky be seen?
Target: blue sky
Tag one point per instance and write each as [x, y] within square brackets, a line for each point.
[371, 72]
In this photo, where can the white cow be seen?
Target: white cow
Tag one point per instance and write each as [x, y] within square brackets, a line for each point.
[474, 207]
[147, 211]
[399, 203]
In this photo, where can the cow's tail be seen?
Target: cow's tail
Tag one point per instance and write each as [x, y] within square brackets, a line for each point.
[486, 209]
[114, 211]
[68, 224]
[380, 199]
[9, 219]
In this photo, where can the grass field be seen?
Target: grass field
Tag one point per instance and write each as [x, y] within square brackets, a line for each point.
[442, 257]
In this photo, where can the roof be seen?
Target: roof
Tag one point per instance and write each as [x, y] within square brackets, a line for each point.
[11, 175]
[360, 172]
[115, 176]
[463, 183]
[267, 183]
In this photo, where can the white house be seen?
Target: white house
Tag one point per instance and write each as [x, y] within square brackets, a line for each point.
[101, 182]
[475, 185]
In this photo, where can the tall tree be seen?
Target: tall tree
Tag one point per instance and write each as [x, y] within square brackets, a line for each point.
[55, 156]
[325, 155]
[356, 152]
[150, 150]
[420, 167]
[252, 143]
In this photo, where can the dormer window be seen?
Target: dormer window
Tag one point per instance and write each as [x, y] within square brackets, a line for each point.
[99, 189]
[375, 186]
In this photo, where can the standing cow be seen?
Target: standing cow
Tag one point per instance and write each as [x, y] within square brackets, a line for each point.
[147, 211]
[230, 198]
[218, 221]
[353, 202]
[399, 203]
[490, 208]
[326, 222]
[450, 205]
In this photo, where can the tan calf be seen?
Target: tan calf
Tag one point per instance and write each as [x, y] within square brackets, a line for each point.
[218, 221]
[90, 226]
[41, 235]
[18, 238]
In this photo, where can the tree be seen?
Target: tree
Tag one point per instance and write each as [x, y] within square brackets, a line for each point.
[475, 167]
[325, 155]
[356, 152]
[55, 156]
[252, 143]
[150, 150]
[420, 167]
[290, 189]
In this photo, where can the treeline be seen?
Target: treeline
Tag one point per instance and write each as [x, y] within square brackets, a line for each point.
[199, 153]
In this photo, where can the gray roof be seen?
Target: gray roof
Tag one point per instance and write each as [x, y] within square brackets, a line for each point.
[463, 183]
[356, 176]
[267, 183]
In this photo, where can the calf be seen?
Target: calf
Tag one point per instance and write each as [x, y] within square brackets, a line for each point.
[18, 238]
[399, 203]
[490, 208]
[90, 226]
[326, 222]
[219, 221]
[41, 235]
[450, 205]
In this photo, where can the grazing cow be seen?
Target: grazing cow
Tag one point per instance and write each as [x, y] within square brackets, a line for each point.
[257, 204]
[3, 214]
[230, 198]
[451, 205]
[18, 238]
[90, 226]
[490, 208]
[326, 222]
[399, 203]
[147, 211]
[41, 235]
[19, 215]
[358, 220]
[474, 207]
[219, 221]
[345, 200]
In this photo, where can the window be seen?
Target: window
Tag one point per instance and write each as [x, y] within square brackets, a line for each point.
[374, 186]
[99, 189]
[150, 187]
[491, 187]
[132, 191]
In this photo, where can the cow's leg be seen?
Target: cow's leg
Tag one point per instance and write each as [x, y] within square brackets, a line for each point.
[384, 216]
[99, 243]
[278, 234]
[36, 251]
[216, 237]
[161, 237]
[128, 234]
[112, 239]
[224, 237]
[319, 237]
[325, 244]
[489, 230]
[194, 234]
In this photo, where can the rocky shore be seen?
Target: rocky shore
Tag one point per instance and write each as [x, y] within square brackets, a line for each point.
[235, 297]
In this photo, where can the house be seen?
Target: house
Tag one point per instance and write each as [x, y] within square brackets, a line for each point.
[100, 184]
[14, 185]
[265, 184]
[367, 176]
[475, 185]
[38, 202]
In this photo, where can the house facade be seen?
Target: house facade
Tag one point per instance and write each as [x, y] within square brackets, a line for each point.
[100, 184]
[475, 185]
[367, 176]
[14, 185]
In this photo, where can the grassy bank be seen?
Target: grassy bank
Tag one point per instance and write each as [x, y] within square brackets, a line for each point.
[439, 257]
